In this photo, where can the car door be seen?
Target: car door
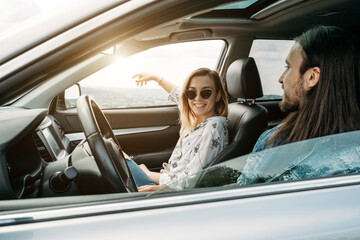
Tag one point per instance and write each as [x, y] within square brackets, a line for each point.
[144, 121]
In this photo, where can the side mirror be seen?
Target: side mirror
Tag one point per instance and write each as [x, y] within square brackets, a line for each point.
[71, 95]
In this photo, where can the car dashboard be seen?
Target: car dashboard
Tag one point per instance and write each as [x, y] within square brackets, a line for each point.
[30, 140]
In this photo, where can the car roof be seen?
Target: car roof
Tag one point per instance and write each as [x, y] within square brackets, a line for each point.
[282, 19]
[260, 19]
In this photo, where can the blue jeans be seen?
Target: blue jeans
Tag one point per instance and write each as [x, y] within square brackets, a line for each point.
[138, 174]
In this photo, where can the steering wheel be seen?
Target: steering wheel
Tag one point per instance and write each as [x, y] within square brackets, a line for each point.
[104, 146]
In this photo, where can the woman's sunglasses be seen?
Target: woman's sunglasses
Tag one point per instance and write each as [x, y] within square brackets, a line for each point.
[191, 94]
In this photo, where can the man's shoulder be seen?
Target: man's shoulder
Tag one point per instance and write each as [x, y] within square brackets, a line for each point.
[268, 133]
[264, 137]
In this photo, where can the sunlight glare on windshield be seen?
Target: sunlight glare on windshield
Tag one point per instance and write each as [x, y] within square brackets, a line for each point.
[173, 62]
[15, 12]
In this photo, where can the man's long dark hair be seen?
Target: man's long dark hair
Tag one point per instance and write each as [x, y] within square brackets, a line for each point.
[333, 105]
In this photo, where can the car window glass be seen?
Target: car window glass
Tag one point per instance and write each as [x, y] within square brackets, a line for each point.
[113, 86]
[71, 95]
[314, 158]
[270, 58]
[14, 13]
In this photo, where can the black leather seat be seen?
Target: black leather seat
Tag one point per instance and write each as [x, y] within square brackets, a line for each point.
[247, 120]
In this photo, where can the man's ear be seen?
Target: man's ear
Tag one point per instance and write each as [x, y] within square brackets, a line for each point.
[312, 77]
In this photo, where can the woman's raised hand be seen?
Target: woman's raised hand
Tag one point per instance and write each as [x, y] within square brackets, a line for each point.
[143, 78]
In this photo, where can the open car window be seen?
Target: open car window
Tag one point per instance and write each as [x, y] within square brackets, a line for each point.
[270, 58]
[327, 156]
[114, 87]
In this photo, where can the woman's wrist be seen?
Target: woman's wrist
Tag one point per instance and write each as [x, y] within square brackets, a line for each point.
[159, 80]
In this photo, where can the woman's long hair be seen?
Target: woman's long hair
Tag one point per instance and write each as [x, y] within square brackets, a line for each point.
[333, 105]
[188, 118]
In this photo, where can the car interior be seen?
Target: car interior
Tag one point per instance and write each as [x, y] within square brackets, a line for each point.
[247, 120]
[37, 153]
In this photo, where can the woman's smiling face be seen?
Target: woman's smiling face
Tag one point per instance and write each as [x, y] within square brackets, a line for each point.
[203, 108]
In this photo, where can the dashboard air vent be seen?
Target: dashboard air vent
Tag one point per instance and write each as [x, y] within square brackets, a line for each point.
[44, 154]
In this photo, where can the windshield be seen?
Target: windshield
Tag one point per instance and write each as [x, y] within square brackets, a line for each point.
[315, 158]
[14, 13]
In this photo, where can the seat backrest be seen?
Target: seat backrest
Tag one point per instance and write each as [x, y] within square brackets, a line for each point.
[247, 120]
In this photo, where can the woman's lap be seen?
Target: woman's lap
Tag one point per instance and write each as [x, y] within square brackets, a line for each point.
[138, 174]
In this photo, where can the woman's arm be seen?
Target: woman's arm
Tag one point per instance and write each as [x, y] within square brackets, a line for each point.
[150, 188]
[143, 78]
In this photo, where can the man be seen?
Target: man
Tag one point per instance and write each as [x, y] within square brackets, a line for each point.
[322, 97]
[321, 88]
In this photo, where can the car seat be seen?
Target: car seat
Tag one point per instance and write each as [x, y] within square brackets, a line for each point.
[247, 120]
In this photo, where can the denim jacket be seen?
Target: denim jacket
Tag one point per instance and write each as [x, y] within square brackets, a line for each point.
[319, 157]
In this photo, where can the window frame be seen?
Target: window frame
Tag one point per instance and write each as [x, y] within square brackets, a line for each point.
[218, 62]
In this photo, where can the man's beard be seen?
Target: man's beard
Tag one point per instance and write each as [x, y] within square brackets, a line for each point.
[287, 107]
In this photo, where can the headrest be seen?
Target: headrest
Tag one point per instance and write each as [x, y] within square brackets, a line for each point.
[243, 79]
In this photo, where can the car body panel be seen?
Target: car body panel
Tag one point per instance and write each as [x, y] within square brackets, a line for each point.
[300, 210]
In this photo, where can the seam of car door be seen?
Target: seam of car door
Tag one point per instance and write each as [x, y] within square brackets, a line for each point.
[173, 201]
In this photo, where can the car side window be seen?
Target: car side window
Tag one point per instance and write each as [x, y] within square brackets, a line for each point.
[113, 86]
[270, 58]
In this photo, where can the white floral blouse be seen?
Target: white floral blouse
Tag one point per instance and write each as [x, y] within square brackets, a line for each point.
[194, 151]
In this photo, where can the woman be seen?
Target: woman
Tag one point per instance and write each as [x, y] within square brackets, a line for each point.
[203, 134]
